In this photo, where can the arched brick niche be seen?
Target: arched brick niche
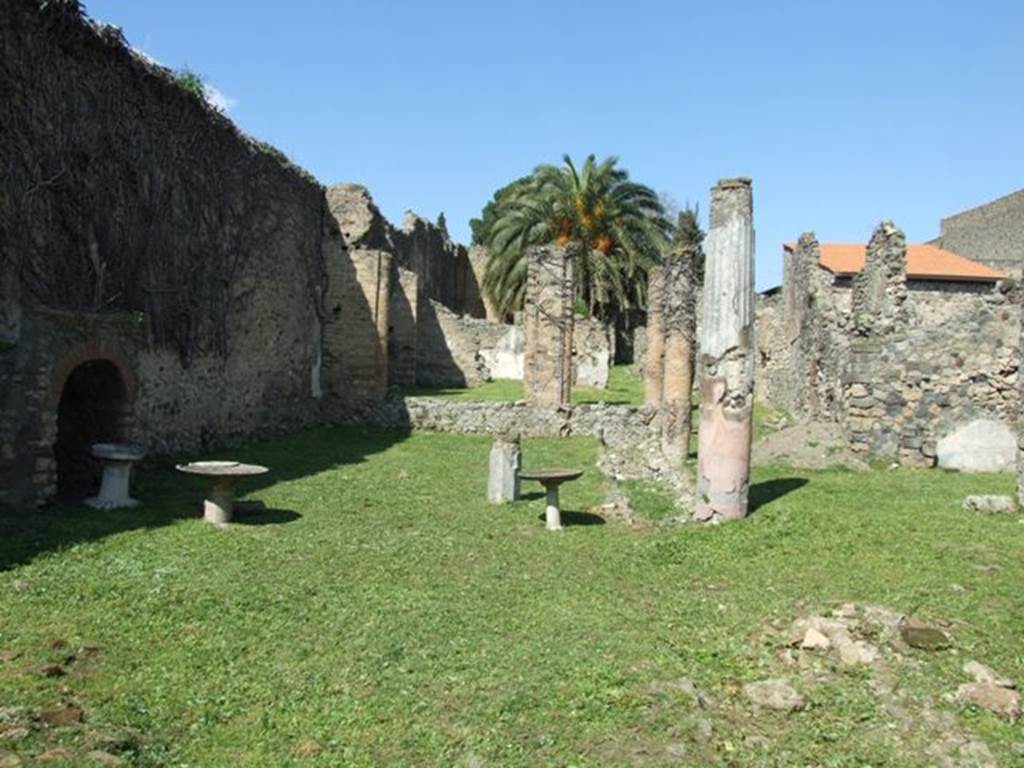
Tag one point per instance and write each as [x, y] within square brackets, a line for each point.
[90, 400]
[84, 354]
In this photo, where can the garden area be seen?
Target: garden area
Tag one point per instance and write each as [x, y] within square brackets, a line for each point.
[381, 612]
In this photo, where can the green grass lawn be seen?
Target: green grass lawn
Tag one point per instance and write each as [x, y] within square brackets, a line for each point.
[381, 613]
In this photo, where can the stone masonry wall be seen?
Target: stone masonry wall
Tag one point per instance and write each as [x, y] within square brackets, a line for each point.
[801, 339]
[992, 233]
[123, 197]
[477, 304]
[956, 361]
[630, 436]
[899, 363]
[402, 334]
[460, 351]
[450, 348]
[357, 340]
[425, 267]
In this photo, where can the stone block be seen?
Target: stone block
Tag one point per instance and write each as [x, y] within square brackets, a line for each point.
[983, 445]
[505, 463]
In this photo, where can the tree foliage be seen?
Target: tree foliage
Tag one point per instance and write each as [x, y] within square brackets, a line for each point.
[481, 227]
[618, 225]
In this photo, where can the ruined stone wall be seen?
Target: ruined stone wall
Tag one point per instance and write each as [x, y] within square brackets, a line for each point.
[461, 351]
[992, 233]
[802, 341]
[955, 361]
[364, 288]
[774, 354]
[475, 302]
[123, 195]
[402, 334]
[630, 436]
[356, 342]
[450, 348]
[1020, 411]
[899, 363]
[425, 267]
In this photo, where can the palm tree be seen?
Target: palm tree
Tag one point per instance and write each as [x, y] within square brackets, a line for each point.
[618, 228]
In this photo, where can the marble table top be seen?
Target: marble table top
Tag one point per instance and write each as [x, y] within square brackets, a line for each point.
[222, 469]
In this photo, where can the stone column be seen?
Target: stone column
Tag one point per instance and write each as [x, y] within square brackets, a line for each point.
[548, 321]
[727, 356]
[654, 370]
[679, 329]
[505, 463]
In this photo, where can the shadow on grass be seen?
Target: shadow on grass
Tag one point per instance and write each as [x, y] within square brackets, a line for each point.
[577, 518]
[266, 517]
[770, 490]
[168, 496]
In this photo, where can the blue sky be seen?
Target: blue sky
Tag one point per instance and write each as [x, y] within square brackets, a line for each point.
[843, 113]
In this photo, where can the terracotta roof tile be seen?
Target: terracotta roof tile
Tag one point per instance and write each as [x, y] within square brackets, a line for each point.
[924, 262]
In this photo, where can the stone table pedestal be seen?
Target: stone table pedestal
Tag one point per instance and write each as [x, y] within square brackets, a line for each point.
[551, 479]
[115, 486]
[219, 504]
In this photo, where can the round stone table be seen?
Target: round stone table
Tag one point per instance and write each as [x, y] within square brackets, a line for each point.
[115, 487]
[551, 479]
[224, 475]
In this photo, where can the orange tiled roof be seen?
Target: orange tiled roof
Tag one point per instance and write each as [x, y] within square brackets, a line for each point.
[924, 262]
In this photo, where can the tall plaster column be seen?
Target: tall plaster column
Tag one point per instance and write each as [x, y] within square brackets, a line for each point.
[727, 352]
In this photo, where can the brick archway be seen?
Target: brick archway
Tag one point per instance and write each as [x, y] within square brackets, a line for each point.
[84, 354]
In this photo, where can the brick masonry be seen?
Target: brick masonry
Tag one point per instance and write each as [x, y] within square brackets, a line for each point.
[548, 321]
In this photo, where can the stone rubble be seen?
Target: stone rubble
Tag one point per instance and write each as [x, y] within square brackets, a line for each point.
[775, 694]
[990, 504]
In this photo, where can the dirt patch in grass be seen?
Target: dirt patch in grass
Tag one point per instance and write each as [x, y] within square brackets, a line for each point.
[806, 446]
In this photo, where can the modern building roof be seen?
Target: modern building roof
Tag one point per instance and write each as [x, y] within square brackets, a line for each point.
[924, 262]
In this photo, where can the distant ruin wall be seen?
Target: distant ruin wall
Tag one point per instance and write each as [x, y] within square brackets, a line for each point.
[476, 301]
[460, 351]
[123, 195]
[899, 363]
[992, 233]
[801, 339]
[358, 339]
[450, 348]
[402, 334]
